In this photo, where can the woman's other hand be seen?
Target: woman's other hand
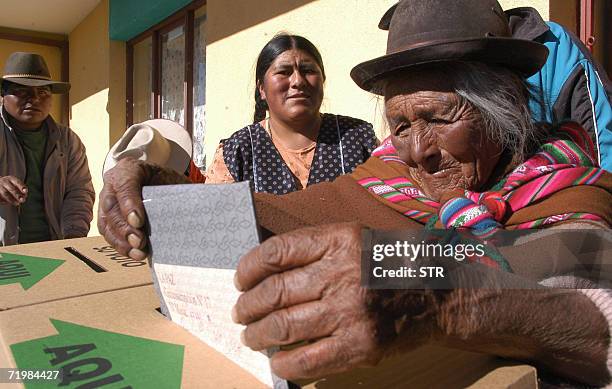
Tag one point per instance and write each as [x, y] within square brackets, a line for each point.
[121, 214]
[304, 286]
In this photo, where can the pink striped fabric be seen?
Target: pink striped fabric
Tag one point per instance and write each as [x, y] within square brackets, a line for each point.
[567, 159]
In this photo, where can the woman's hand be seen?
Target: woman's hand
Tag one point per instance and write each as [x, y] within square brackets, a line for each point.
[305, 286]
[120, 212]
[12, 191]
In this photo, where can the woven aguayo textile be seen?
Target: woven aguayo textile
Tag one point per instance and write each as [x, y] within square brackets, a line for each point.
[560, 182]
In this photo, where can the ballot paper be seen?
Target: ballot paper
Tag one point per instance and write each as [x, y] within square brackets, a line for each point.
[197, 235]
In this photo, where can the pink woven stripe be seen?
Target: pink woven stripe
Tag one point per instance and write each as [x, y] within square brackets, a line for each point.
[429, 202]
[557, 218]
[368, 180]
[517, 179]
[397, 197]
[474, 196]
[385, 148]
[391, 158]
[593, 177]
[554, 167]
[399, 180]
[571, 154]
[418, 215]
[560, 179]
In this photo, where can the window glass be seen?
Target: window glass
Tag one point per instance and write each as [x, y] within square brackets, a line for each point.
[159, 82]
[173, 75]
[199, 87]
[141, 76]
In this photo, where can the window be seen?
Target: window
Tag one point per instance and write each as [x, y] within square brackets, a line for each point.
[166, 74]
[199, 87]
[141, 76]
[589, 21]
[172, 57]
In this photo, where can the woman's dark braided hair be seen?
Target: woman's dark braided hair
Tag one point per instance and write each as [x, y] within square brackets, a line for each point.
[275, 47]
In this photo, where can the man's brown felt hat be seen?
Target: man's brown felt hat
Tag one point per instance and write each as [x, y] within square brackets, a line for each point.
[31, 70]
[427, 31]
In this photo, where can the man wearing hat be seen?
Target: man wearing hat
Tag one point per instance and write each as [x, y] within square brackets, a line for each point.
[46, 192]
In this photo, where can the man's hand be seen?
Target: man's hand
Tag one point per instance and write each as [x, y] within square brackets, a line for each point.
[121, 214]
[305, 286]
[12, 191]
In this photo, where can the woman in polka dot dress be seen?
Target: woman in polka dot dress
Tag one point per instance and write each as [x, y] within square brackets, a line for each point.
[295, 145]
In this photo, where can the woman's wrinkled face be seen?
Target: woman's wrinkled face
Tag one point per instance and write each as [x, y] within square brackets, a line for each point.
[438, 134]
[293, 86]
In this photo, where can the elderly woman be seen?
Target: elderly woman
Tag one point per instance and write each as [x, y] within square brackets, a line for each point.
[463, 154]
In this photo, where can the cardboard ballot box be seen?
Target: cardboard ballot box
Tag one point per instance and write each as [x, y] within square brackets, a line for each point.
[114, 339]
[47, 271]
[431, 367]
[194, 264]
[119, 339]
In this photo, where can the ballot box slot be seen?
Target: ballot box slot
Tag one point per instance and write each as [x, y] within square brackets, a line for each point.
[159, 310]
[86, 260]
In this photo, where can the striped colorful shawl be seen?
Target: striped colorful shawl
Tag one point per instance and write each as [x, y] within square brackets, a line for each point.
[566, 161]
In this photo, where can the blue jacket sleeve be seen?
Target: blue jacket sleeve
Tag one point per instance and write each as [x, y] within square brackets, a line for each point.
[572, 86]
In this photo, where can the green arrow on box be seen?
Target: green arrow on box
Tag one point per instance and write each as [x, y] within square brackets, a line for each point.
[27, 271]
[90, 358]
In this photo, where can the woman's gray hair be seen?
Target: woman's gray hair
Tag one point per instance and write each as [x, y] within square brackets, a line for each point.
[502, 98]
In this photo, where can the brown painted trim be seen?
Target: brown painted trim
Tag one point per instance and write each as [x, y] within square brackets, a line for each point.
[173, 21]
[586, 23]
[169, 26]
[141, 37]
[32, 39]
[188, 84]
[156, 75]
[129, 85]
[577, 6]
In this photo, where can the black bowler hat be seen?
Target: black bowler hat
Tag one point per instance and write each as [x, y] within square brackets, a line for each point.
[31, 70]
[422, 32]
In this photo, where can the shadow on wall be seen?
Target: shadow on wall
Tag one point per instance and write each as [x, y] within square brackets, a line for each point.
[229, 17]
[92, 66]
